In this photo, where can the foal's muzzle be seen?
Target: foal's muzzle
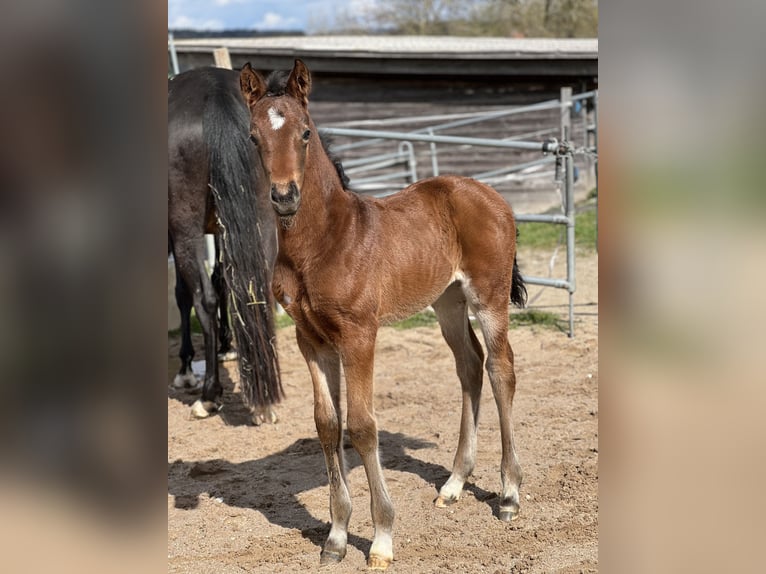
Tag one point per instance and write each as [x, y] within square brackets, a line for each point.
[285, 199]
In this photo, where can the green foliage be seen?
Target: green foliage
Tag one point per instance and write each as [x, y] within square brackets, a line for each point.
[547, 236]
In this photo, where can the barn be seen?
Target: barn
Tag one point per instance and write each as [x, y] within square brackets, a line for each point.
[360, 79]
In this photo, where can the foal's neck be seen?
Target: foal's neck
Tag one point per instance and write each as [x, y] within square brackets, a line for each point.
[325, 210]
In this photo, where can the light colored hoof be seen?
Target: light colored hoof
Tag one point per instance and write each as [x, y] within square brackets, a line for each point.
[227, 356]
[327, 558]
[203, 409]
[444, 502]
[508, 513]
[378, 563]
[189, 380]
[264, 415]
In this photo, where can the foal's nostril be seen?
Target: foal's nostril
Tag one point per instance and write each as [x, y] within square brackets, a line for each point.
[286, 200]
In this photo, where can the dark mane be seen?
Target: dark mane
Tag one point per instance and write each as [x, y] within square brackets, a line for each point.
[327, 146]
[276, 82]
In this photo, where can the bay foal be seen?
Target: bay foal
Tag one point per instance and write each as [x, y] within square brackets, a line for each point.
[347, 264]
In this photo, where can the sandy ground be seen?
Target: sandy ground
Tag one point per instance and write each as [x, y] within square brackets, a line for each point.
[247, 499]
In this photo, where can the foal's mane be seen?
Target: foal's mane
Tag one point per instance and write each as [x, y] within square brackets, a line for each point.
[276, 84]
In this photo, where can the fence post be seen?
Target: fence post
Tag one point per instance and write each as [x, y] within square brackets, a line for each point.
[570, 212]
[566, 125]
[173, 53]
[434, 160]
[222, 58]
[589, 178]
[595, 149]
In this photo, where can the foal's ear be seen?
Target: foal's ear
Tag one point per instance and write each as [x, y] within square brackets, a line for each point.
[252, 85]
[299, 83]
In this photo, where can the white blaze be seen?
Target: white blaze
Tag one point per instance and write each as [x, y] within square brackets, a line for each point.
[277, 119]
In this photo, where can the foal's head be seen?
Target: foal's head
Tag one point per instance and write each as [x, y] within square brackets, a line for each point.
[280, 127]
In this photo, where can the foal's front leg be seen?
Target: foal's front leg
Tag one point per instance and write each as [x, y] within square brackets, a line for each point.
[358, 355]
[324, 366]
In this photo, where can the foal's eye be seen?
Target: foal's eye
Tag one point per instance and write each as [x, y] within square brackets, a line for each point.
[252, 139]
[306, 135]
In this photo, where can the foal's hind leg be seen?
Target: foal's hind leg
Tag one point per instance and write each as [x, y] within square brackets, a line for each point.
[492, 314]
[457, 331]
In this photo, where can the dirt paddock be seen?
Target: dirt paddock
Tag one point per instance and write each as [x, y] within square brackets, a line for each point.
[247, 499]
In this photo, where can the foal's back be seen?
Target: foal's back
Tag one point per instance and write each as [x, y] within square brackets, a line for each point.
[434, 232]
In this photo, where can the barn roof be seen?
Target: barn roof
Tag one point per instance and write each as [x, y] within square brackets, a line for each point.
[421, 46]
[421, 56]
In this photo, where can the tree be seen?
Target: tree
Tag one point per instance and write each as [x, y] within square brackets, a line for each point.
[510, 18]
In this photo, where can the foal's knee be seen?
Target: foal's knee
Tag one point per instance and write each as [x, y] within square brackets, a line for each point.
[500, 371]
[328, 427]
[363, 432]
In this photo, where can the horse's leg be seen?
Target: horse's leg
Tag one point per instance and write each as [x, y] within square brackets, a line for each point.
[457, 331]
[358, 356]
[191, 256]
[324, 366]
[185, 376]
[225, 350]
[491, 310]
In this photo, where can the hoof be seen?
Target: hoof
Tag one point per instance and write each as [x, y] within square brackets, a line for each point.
[444, 502]
[328, 558]
[187, 381]
[378, 563]
[264, 415]
[509, 513]
[203, 409]
[227, 356]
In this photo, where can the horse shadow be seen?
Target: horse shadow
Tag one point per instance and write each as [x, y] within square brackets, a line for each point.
[301, 467]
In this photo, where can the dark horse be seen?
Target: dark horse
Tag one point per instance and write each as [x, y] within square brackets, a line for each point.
[347, 264]
[216, 184]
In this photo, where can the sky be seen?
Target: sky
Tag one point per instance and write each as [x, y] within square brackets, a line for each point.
[306, 15]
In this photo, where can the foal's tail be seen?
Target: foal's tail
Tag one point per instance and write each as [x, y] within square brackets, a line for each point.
[246, 262]
[518, 288]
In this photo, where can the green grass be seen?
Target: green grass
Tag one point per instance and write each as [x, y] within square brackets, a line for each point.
[283, 320]
[532, 317]
[526, 318]
[195, 326]
[426, 318]
[422, 319]
[547, 235]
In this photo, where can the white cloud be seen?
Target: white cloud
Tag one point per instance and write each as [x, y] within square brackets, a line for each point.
[274, 21]
[227, 2]
[196, 23]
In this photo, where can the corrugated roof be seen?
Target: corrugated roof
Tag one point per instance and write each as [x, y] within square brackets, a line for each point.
[422, 46]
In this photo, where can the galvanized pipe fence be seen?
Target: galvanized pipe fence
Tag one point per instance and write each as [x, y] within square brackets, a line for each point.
[557, 151]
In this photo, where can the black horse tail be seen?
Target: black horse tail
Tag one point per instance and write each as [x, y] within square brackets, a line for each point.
[245, 262]
[518, 287]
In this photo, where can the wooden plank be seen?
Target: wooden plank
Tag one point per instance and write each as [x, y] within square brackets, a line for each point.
[222, 58]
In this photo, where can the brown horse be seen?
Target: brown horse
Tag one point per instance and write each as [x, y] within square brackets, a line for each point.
[347, 264]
